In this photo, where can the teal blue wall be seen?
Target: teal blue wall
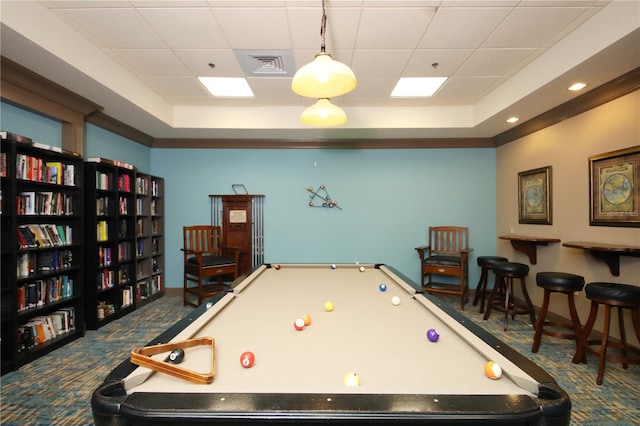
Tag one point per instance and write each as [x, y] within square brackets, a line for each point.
[388, 200]
[102, 143]
[388, 197]
[35, 126]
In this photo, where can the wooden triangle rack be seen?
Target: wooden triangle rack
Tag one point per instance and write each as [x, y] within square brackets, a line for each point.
[142, 357]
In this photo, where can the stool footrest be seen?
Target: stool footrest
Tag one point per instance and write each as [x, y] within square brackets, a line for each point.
[628, 359]
[559, 334]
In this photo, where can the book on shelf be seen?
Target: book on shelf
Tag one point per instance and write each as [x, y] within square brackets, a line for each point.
[102, 230]
[54, 172]
[110, 162]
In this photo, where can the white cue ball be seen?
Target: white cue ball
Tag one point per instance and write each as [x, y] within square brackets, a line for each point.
[362, 269]
[395, 300]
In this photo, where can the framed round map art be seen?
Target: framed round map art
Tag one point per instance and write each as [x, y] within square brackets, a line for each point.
[534, 196]
[614, 188]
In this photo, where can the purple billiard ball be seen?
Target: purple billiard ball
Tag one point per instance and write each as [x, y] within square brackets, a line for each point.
[432, 335]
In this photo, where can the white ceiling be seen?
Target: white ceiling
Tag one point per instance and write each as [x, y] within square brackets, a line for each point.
[140, 59]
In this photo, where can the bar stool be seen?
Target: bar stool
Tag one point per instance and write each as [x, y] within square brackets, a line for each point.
[622, 296]
[505, 273]
[558, 282]
[486, 263]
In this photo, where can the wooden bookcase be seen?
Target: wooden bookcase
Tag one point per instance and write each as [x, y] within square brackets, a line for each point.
[149, 238]
[110, 220]
[42, 271]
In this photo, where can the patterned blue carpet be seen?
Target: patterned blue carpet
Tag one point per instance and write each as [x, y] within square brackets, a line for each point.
[56, 389]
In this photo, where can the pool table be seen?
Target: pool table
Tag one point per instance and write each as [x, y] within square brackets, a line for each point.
[298, 375]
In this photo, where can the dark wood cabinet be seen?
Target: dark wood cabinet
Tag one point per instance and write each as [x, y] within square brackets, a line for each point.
[242, 219]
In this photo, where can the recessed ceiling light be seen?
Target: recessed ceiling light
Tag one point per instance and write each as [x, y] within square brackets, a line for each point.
[577, 86]
[417, 86]
[512, 119]
[227, 87]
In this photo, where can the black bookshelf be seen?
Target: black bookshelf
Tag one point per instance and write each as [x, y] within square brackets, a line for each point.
[110, 242]
[149, 238]
[42, 286]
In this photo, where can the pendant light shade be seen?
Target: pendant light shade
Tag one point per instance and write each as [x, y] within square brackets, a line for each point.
[323, 114]
[323, 78]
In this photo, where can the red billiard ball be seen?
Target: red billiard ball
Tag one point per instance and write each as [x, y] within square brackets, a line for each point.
[277, 267]
[298, 324]
[247, 359]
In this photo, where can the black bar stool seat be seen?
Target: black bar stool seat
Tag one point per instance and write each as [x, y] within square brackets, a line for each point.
[564, 283]
[622, 296]
[486, 263]
[505, 273]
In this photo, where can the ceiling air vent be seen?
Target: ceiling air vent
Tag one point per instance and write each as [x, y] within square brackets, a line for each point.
[266, 63]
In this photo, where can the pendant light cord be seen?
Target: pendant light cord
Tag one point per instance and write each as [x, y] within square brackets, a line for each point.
[323, 27]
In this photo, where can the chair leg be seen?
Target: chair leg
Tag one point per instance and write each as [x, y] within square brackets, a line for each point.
[540, 324]
[580, 355]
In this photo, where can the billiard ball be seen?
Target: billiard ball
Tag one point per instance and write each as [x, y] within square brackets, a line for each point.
[328, 306]
[247, 359]
[176, 356]
[277, 267]
[351, 379]
[333, 266]
[432, 335]
[307, 319]
[382, 287]
[298, 324]
[395, 300]
[492, 370]
[361, 269]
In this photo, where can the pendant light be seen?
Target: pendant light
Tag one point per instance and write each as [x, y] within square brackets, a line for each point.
[324, 77]
[323, 113]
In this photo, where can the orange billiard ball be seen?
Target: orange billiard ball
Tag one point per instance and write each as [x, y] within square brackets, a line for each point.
[307, 319]
[492, 370]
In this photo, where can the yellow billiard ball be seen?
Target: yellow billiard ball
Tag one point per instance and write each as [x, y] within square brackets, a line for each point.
[328, 306]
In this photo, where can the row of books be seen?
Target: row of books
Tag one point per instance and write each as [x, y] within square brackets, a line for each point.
[102, 230]
[106, 279]
[142, 185]
[43, 235]
[126, 295]
[30, 264]
[111, 162]
[41, 292]
[36, 169]
[44, 203]
[155, 188]
[103, 180]
[3, 164]
[147, 289]
[41, 329]
[124, 183]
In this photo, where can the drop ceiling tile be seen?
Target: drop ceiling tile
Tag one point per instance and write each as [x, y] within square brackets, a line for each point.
[448, 62]
[393, 28]
[494, 62]
[259, 28]
[153, 62]
[532, 26]
[462, 28]
[379, 63]
[170, 24]
[131, 31]
[468, 89]
[178, 87]
[198, 60]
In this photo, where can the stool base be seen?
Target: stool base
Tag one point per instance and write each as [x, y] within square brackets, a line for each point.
[585, 344]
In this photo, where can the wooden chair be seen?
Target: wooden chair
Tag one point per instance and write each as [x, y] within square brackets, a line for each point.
[446, 255]
[205, 258]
